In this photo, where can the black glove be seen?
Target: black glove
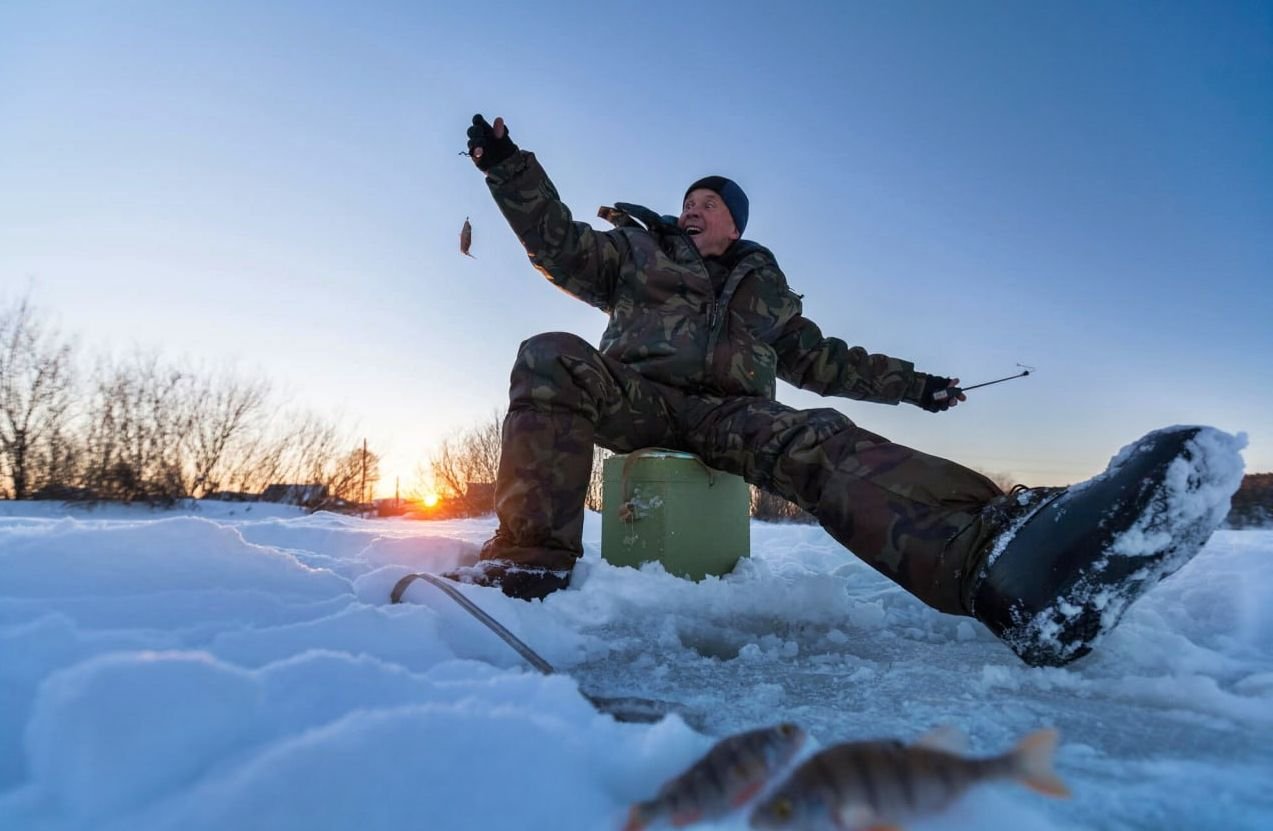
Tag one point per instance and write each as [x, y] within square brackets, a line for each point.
[934, 385]
[494, 150]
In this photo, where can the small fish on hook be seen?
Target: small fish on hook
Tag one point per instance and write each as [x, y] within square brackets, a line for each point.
[466, 238]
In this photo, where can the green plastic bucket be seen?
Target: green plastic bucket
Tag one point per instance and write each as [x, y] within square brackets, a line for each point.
[667, 506]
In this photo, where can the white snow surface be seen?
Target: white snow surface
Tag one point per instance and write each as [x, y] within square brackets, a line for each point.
[240, 667]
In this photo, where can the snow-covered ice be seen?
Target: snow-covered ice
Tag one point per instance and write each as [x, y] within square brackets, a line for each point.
[237, 666]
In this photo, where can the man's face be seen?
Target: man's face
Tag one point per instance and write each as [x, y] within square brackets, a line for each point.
[706, 219]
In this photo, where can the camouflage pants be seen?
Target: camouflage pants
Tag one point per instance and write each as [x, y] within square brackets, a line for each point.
[915, 518]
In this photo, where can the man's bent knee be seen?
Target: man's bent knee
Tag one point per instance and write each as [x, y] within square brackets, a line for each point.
[548, 347]
[559, 371]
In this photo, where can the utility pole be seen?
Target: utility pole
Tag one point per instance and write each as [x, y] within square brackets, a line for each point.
[362, 490]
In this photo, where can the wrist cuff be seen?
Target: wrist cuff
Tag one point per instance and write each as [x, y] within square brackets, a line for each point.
[915, 392]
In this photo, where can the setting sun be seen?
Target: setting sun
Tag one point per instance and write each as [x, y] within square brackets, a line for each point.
[429, 500]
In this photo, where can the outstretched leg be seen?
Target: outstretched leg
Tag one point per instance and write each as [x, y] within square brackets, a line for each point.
[1049, 570]
[914, 517]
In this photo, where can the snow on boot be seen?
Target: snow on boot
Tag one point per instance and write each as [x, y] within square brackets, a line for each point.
[524, 582]
[1063, 574]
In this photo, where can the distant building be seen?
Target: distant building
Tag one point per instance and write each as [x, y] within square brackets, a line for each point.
[231, 496]
[304, 495]
[391, 506]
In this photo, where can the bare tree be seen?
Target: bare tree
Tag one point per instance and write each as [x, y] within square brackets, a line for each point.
[278, 450]
[467, 456]
[36, 393]
[315, 453]
[159, 431]
[223, 412]
[137, 422]
[421, 486]
[596, 479]
[296, 448]
[444, 464]
[153, 430]
[770, 506]
[300, 448]
[465, 459]
[60, 459]
[471, 457]
[355, 476]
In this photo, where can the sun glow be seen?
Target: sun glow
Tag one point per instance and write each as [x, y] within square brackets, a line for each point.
[429, 500]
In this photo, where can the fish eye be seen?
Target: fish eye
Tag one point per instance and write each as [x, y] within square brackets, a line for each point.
[782, 808]
[787, 729]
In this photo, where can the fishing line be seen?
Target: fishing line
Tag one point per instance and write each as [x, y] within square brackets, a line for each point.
[624, 708]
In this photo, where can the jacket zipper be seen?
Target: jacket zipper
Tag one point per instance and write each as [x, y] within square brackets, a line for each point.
[713, 310]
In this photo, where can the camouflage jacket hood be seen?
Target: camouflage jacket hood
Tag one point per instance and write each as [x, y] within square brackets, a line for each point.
[669, 319]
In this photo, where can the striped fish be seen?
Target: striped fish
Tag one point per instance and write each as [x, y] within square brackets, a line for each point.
[731, 773]
[879, 784]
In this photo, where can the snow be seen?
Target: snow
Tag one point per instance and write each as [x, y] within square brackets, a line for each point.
[1197, 490]
[239, 666]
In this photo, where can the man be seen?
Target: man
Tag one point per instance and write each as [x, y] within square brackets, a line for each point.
[702, 324]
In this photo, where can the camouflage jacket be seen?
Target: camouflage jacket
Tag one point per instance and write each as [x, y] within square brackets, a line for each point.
[667, 318]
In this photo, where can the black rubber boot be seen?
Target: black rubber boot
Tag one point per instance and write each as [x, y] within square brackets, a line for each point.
[514, 579]
[1063, 574]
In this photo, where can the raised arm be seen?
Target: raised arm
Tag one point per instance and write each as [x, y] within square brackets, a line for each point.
[573, 255]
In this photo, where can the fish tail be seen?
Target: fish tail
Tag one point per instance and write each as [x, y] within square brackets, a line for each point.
[637, 819]
[1032, 763]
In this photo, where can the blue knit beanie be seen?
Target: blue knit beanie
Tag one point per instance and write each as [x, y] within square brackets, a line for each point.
[730, 193]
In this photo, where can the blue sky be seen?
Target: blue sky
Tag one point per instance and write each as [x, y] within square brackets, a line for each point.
[1083, 187]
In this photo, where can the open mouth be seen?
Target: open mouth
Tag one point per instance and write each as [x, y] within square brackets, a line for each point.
[693, 230]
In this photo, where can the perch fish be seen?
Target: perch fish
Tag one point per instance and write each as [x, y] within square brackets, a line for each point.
[880, 784]
[466, 238]
[730, 774]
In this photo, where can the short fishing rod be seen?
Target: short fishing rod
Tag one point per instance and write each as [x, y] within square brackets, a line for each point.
[942, 395]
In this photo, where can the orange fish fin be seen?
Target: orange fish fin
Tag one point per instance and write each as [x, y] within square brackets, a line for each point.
[683, 818]
[1033, 757]
[947, 738]
[744, 796]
